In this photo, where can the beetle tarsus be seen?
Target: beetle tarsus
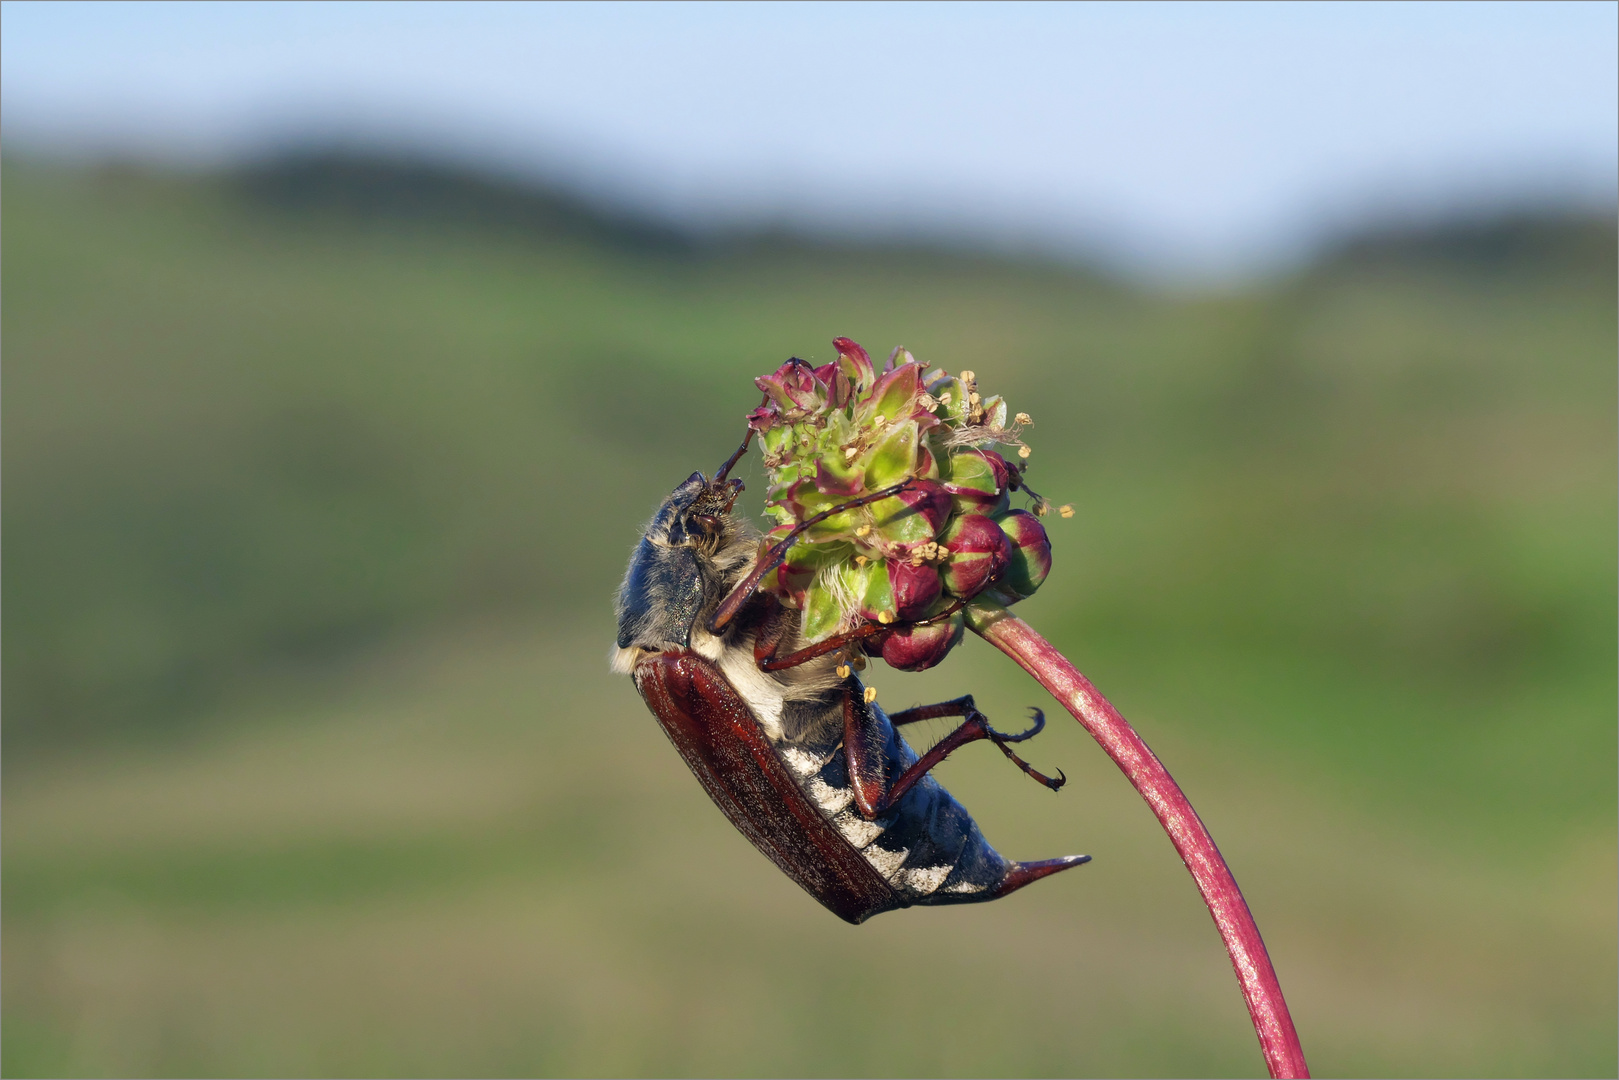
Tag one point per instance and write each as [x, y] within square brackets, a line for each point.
[1034, 773]
[1001, 740]
[1039, 726]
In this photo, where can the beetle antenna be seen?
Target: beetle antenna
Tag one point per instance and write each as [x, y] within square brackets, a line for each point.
[719, 477]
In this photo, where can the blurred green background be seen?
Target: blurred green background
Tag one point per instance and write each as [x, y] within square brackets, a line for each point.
[318, 480]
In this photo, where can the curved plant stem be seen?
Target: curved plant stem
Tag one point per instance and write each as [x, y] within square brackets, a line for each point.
[1033, 653]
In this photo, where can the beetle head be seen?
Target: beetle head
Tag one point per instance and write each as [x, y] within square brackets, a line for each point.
[681, 566]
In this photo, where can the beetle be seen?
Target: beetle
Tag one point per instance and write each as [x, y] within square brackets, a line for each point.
[792, 747]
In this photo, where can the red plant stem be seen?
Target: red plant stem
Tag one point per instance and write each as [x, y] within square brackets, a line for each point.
[1034, 654]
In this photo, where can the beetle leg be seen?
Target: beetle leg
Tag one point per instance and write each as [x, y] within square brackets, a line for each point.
[863, 743]
[773, 624]
[776, 555]
[960, 706]
[769, 662]
[1001, 740]
[820, 648]
[862, 739]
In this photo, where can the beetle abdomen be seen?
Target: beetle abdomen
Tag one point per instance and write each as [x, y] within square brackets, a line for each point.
[927, 847]
[791, 797]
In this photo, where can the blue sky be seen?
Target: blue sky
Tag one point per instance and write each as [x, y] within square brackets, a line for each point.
[1179, 138]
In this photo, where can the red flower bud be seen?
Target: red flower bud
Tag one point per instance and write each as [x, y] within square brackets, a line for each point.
[979, 550]
[854, 362]
[917, 648]
[1031, 554]
[915, 588]
[839, 386]
[793, 387]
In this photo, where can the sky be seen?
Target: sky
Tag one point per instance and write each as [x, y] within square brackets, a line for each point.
[1177, 139]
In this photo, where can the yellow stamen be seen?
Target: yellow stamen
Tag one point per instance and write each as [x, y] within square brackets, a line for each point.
[885, 617]
[969, 377]
[1023, 418]
[871, 694]
[843, 671]
[1023, 451]
[1066, 510]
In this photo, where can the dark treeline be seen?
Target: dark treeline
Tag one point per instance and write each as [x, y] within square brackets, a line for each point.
[402, 190]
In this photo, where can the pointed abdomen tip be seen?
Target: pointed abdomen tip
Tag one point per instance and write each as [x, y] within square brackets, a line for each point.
[1024, 872]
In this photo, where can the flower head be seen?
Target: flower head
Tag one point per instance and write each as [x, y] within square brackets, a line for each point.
[906, 562]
